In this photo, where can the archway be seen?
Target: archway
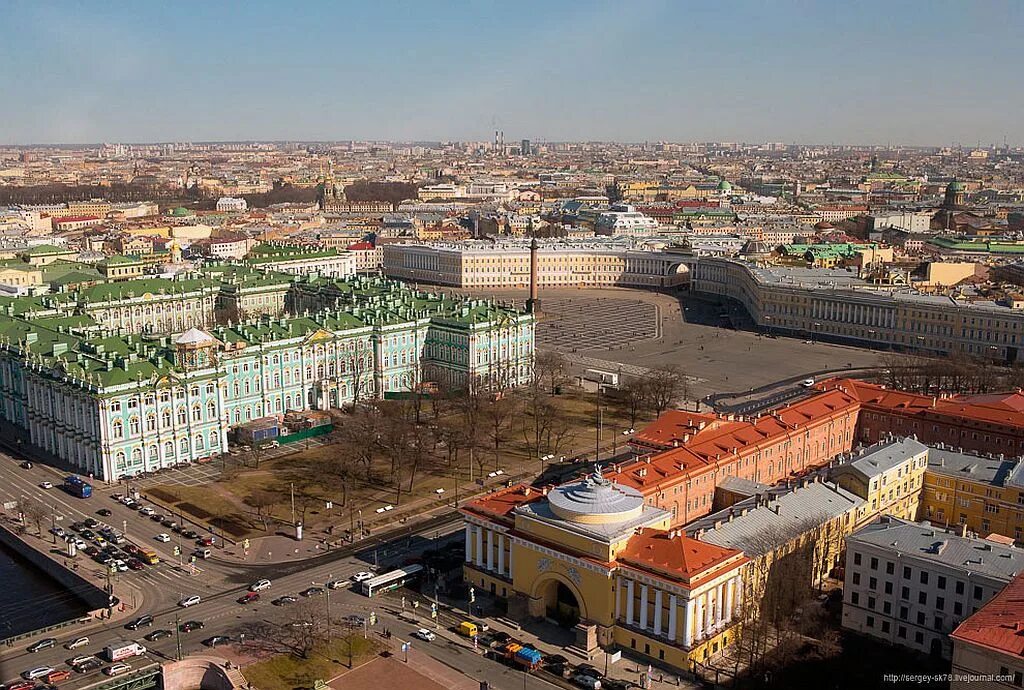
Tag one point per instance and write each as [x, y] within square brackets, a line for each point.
[562, 602]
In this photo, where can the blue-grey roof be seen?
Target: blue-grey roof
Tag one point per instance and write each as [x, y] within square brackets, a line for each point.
[884, 456]
[924, 543]
[996, 471]
[756, 526]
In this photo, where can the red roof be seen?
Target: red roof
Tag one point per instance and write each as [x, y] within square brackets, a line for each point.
[675, 554]
[500, 504]
[75, 219]
[999, 624]
[361, 246]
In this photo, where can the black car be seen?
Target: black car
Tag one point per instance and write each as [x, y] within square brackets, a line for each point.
[616, 684]
[158, 635]
[77, 526]
[42, 644]
[103, 512]
[312, 592]
[588, 670]
[87, 534]
[26, 465]
[145, 620]
[190, 534]
[216, 640]
[91, 551]
[501, 637]
[157, 517]
[86, 665]
[555, 659]
[284, 601]
[189, 626]
[90, 522]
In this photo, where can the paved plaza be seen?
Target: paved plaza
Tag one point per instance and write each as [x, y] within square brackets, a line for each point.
[583, 323]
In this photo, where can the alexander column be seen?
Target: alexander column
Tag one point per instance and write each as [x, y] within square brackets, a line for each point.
[533, 304]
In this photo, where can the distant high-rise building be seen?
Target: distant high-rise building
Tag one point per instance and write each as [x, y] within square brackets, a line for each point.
[525, 148]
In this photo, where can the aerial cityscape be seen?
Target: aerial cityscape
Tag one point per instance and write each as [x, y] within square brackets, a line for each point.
[586, 345]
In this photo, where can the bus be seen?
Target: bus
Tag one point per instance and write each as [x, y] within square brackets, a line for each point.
[391, 581]
[77, 486]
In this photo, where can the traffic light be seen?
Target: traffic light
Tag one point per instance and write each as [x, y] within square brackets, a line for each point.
[177, 550]
[373, 618]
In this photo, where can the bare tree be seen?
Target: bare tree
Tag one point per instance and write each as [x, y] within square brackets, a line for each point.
[664, 387]
[263, 501]
[306, 628]
[35, 511]
[632, 397]
[497, 417]
[551, 366]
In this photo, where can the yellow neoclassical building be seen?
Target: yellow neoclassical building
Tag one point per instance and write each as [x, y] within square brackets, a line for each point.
[592, 555]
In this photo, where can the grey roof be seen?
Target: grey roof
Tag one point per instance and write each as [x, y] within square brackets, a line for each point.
[594, 495]
[925, 543]
[996, 471]
[605, 532]
[756, 529]
[744, 487]
[884, 456]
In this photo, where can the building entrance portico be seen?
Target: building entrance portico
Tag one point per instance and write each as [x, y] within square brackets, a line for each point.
[557, 600]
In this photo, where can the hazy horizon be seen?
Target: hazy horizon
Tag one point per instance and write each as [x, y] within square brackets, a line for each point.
[865, 74]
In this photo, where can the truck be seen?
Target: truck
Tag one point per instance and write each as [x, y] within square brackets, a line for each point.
[528, 658]
[605, 378]
[123, 650]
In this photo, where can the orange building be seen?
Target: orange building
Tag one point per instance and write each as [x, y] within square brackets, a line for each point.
[691, 453]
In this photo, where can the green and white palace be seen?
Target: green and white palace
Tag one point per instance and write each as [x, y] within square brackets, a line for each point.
[120, 378]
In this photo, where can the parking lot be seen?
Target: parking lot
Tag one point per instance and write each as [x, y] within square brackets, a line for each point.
[193, 475]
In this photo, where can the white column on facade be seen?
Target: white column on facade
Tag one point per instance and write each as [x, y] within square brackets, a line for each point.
[709, 611]
[469, 543]
[688, 623]
[643, 606]
[657, 612]
[501, 553]
[698, 611]
[729, 589]
[479, 545]
[618, 599]
[672, 617]
[490, 549]
[720, 606]
[629, 602]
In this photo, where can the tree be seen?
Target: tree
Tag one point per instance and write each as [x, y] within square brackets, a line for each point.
[259, 452]
[35, 511]
[497, 417]
[306, 628]
[664, 387]
[550, 366]
[264, 502]
[633, 398]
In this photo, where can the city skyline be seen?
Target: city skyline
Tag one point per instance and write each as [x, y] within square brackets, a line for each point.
[815, 74]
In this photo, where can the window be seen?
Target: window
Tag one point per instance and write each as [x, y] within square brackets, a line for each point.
[151, 422]
[905, 593]
[855, 598]
[901, 632]
[885, 626]
[940, 603]
[888, 588]
[856, 578]
[958, 608]
[856, 559]
[871, 602]
[922, 597]
[904, 612]
[118, 429]
[942, 582]
[906, 572]
[165, 418]
[873, 583]
[924, 577]
[977, 592]
[182, 416]
[133, 426]
[919, 637]
[871, 621]
[890, 568]
[959, 587]
[874, 563]
[920, 618]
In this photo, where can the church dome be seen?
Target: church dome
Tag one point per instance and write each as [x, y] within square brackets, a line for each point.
[596, 500]
[724, 186]
[955, 186]
[755, 249]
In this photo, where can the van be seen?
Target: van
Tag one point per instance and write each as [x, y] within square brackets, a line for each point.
[202, 553]
[468, 629]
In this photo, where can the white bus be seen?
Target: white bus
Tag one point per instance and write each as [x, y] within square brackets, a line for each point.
[605, 378]
[390, 581]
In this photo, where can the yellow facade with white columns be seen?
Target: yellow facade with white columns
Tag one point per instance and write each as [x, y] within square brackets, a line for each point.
[593, 550]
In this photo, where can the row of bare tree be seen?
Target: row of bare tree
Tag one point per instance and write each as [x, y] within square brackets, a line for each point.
[952, 374]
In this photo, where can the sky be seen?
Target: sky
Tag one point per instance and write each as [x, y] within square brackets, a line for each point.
[863, 72]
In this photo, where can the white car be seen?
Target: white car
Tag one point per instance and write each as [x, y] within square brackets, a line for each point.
[117, 669]
[362, 576]
[424, 634]
[807, 383]
[33, 674]
[147, 511]
[77, 642]
[163, 537]
[259, 585]
[121, 566]
[45, 485]
[189, 601]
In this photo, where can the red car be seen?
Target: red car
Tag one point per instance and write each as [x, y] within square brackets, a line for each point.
[22, 685]
[249, 597]
[135, 564]
[58, 676]
[206, 541]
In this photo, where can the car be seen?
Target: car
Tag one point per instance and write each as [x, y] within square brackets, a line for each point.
[38, 672]
[144, 620]
[169, 524]
[205, 541]
[362, 576]
[58, 676]
[87, 534]
[336, 584]
[177, 529]
[424, 634]
[121, 566]
[77, 526]
[26, 465]
[103, 512]
[127, 500]
[163, 537]
[588, 670]
[136, 564]
[158, 635]
[117, 669]
[90, 664]
[98, 540]
[135, 506]
[189, 601]
[147, 511]
[80, 659]
[354, 620]
[157, 517]
[190, 534]
[501, 637]
[617, 684]
[585, 681]
[482, 626]
[249, 597]
[553, 659]
[284, 601]
[45, 485]
[57, 532]
[189, 626]
[90, 522]
[79, 544]
[46, 643]
[76, 643]
[312, 591]
[807, 383]
[21, 685]
[259, 585]
[216, 640]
